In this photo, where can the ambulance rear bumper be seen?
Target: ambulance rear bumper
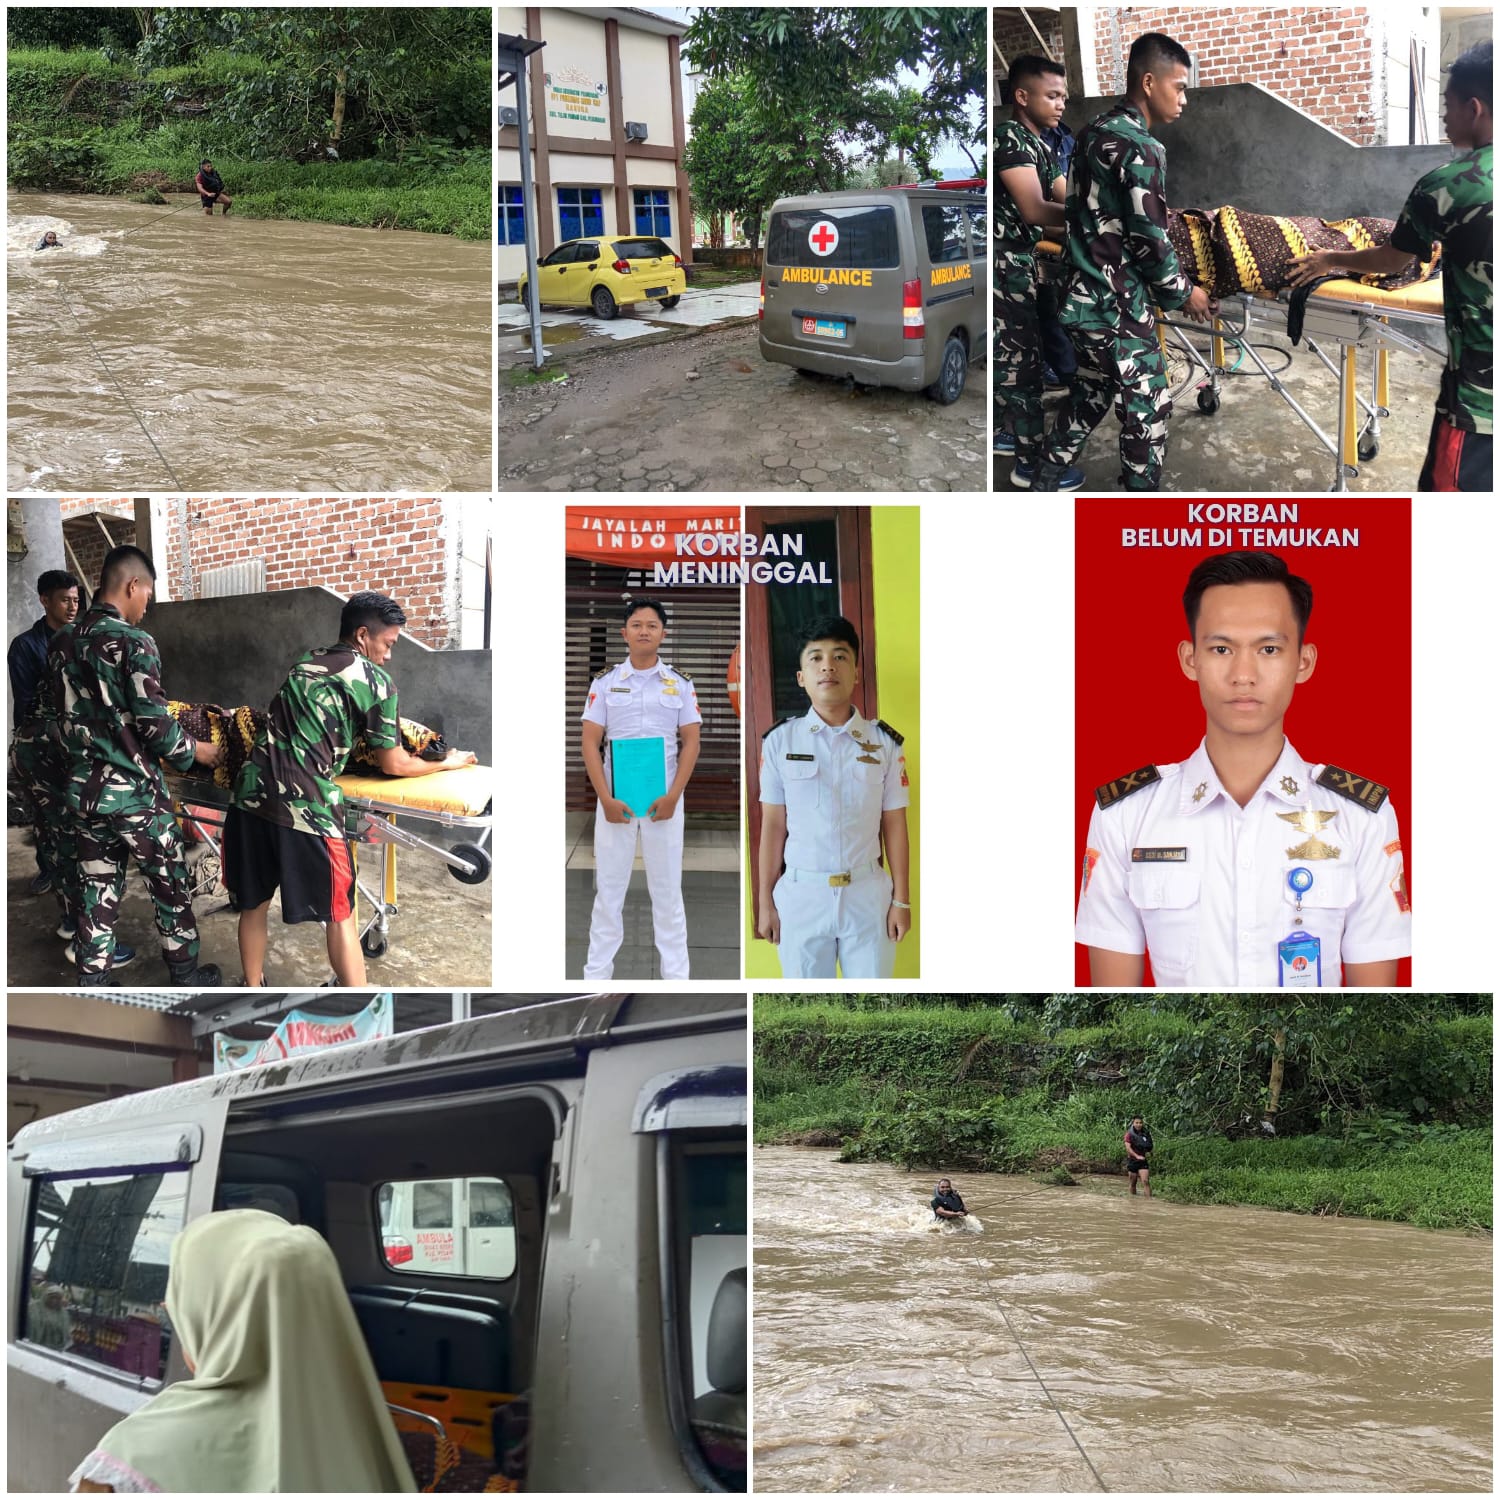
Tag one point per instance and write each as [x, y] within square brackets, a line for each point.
[908, 373]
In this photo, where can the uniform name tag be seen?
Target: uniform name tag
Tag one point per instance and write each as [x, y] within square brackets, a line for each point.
[1299, 962]
[619, 690]
[791, 756]
[1160, 856]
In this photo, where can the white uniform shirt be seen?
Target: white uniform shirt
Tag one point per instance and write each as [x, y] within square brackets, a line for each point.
[1180, 871]
[641, 705]
[834, 783]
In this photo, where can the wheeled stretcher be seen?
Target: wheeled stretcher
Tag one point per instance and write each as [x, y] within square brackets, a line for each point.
[460, 798]
[1346, 316]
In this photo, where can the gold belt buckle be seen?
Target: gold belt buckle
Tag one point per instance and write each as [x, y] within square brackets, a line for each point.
[839, 879]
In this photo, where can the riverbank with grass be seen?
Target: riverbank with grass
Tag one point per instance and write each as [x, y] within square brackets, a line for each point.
[1380, 1109]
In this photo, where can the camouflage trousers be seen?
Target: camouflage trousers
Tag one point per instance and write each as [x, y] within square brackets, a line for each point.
[105, 846]
[41, 770]
[1128, 373]
[1017, 346]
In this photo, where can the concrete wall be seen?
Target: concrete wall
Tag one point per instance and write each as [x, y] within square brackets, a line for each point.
[237, 650]
[44, 539]
[1238, 144]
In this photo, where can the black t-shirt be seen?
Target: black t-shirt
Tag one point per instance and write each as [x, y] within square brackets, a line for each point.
[951, 1201]
[1139, 1141]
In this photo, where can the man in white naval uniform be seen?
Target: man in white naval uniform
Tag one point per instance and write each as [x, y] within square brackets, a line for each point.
[1245, 864]
[642, 698]
[832, 786]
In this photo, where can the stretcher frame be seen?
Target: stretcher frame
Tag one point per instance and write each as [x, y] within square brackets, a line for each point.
[375, 823]
[1346, 324]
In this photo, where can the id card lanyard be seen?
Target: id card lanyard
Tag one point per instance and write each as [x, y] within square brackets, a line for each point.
[1299, 955]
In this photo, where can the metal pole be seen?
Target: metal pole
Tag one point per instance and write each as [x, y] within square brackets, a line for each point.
[530, 211]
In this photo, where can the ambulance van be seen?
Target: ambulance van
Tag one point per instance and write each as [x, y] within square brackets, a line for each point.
[540, 1217]
[888, 286]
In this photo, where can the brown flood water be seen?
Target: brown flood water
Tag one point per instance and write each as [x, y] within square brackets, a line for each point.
[1189, 1347]
[262, 355]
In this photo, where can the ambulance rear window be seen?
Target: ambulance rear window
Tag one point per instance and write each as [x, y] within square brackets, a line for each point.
[867, 237]
[944, 228]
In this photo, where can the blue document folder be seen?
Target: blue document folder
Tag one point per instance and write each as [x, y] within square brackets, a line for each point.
[640, 772]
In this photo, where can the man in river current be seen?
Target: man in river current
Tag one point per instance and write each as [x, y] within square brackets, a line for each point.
[210, 188]
[1138, 1154]
[946, 1204]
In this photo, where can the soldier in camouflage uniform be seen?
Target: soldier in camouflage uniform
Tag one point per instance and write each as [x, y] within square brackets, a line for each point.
[1453, 205]
[1120, 262]
[106, 677]
[285, 828]
[1029, 202]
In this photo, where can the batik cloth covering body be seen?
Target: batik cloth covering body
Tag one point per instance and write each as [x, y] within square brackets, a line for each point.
[105, 678]
[1120, 263]
[330, 700]
[282, 1397]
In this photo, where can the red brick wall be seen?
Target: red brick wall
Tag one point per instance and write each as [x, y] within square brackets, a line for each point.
[1319, 58]
[1013, 37]
[395, 547]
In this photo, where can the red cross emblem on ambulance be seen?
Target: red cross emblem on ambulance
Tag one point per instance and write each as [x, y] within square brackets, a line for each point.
[824, 237]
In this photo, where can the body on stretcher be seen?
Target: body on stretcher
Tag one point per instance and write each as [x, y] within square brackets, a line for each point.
[460, 798]
[1345, 315]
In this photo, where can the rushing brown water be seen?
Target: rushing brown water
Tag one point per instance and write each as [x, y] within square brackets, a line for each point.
[1188, 1347]
[261, 355]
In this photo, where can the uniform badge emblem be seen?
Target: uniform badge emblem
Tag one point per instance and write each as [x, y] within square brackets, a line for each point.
[1311, 822]
[867, 760]
[1289, 786]
[1199, 790]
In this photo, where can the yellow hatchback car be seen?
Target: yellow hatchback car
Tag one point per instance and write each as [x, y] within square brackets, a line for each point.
[607, 272]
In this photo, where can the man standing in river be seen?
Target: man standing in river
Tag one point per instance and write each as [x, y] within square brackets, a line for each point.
[946, 1204]
[1137, 1154]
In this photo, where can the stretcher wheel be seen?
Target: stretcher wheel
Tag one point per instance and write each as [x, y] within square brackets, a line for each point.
[373, 944]
[477, 857]
[1208, 401]
[1369, 447]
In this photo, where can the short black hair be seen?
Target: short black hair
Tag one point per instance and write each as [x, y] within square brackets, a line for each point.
[1154, 53]
[53, 580]
[1472, 75]
[368, 609]
[829, 628]
[1028, 66]
[206, 162]
[122, 564]
[636, 605]
[1246, 567]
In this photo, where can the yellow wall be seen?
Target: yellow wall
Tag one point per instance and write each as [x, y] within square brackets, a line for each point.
[894, 536]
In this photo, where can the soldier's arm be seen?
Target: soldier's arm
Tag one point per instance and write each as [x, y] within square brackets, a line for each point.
[1379, 260]
[1025, 190]
[1144, 204]
[161, 735]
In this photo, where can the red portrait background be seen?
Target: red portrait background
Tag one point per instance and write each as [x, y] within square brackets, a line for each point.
[1134, 707]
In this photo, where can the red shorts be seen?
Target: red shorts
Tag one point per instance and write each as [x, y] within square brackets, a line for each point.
[315, 875]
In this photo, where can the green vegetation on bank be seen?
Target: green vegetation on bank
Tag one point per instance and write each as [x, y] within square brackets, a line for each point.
[369, 117]
[1380, 1107]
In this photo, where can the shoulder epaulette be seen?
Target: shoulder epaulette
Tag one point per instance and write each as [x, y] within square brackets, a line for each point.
[1122, 786]
[686, 676]
[1369, 794]
[777, 725]
[900, 739]
[604, 673]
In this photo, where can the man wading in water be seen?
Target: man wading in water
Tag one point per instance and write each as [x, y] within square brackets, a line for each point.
[1137, 1150]
[211, 188]
[946, 1204]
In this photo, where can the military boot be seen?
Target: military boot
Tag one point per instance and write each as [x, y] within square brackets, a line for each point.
[195, 976]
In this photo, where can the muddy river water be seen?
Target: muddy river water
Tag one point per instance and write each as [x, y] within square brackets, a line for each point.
[1188, 1347]
[261, 355]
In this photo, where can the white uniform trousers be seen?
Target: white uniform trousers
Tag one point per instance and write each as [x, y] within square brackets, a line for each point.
[614, 855]
[823, 925]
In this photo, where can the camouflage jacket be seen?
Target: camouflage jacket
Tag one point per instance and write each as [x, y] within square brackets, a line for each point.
[1454, 205]
[1016, 146]
[330, 699]
[1118, 252]
[105, 678]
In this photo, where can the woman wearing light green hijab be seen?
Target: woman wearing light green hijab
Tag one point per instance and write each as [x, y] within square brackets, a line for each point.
[282, 1395]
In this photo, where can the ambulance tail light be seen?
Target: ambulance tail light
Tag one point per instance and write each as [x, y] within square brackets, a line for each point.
[622, 266]
[913, 319]
[398, 1252]
[762, 313]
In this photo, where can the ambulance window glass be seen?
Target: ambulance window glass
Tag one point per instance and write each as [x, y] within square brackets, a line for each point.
[867, 237]
[945, 230]
[979, 233]
[432, 1204]
[97, 1275]
[790, 609]
[426, 1229]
